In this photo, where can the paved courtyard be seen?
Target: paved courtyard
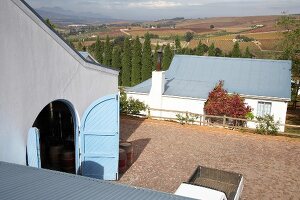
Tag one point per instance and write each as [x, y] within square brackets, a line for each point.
[167, 153]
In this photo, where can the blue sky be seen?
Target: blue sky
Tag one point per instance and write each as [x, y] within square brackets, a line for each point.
[158, 9]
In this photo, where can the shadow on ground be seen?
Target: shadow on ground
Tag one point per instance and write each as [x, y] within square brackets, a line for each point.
[126, 129]
[138, 147]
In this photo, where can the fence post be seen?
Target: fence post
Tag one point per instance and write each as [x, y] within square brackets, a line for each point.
[224, 120]
[200, 118]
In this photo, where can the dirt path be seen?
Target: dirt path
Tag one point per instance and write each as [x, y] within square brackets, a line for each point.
[124, 31]
[167, 153]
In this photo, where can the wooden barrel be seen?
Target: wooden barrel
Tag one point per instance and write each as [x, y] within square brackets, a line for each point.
[68, 161]
[55, 157]
[127, 146]
[122, 160]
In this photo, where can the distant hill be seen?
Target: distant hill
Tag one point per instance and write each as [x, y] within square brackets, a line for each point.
[65, 17]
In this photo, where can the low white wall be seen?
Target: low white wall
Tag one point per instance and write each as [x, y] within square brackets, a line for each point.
[181, 104]
[171, 103]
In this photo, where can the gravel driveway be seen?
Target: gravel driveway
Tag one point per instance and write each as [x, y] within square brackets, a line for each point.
[167, 153]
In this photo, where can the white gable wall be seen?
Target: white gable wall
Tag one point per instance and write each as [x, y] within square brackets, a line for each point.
[35, 70]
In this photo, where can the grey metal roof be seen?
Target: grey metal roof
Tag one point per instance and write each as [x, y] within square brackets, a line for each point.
[196, 76]
[30, 12]
[21, 182]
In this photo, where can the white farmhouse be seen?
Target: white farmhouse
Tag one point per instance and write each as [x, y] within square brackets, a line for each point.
[265, 85]
[58, 109]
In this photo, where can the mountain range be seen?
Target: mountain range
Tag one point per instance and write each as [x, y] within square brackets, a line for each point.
[65, 17]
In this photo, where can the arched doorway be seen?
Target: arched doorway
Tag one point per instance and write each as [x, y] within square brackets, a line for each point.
[56, 124]
[58, 141]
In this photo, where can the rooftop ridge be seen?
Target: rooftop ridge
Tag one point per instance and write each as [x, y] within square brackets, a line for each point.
[230, 58]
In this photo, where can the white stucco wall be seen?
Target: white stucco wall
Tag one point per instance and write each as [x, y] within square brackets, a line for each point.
[278, 109]
[34, 70]
[182, 104]
[171, 103]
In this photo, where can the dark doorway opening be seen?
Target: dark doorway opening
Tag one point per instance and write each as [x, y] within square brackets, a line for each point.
[56, 125]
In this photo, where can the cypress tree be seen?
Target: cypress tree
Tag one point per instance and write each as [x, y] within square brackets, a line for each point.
[116, 61]
[155, 57]
[177, 45]
[98, 50]
[136, 62]
[70, 43]
[107, 52]
[219, 52]
[212, 50]
[200, 49]
[236, 52]
[247, 53]
[50, 24]
[146, 58]
[167, 58]
[187, 51]
[126, 63]
[79, 46]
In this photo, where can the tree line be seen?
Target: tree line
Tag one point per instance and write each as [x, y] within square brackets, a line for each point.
[136, 61]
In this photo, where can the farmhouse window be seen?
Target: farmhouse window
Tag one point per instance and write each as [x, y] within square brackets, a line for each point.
[263, 108]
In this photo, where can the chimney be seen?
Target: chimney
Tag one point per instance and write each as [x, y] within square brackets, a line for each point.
[159, 59]
[158, 84]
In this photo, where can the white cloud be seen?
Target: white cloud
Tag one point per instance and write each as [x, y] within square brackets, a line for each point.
[154, 4]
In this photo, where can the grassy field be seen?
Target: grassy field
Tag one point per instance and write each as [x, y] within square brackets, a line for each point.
[226, 45]
[270, 44]
[225, 30]
[267, 45]
[162, 32]
[257, 36]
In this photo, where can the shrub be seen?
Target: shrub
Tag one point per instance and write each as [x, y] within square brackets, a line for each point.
[186, 118]
[250, 116]
[244, 38]
[267, 125]
[180, 118]
[221, 103]
[123, 101]
[188, 36]
[134, 106]
[130, 105]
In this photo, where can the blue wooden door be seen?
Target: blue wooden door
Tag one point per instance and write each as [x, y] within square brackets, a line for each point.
[99, 139]
[33, 148]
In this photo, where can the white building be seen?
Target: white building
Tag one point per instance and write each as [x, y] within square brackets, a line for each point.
[49, 93]
[265, 85]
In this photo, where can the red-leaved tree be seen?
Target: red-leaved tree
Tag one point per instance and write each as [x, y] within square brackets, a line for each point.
[221, 103]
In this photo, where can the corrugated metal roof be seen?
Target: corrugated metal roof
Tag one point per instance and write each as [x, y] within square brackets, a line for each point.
[21, 182]
[88, 57]
[196, 76]
[84, 53]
